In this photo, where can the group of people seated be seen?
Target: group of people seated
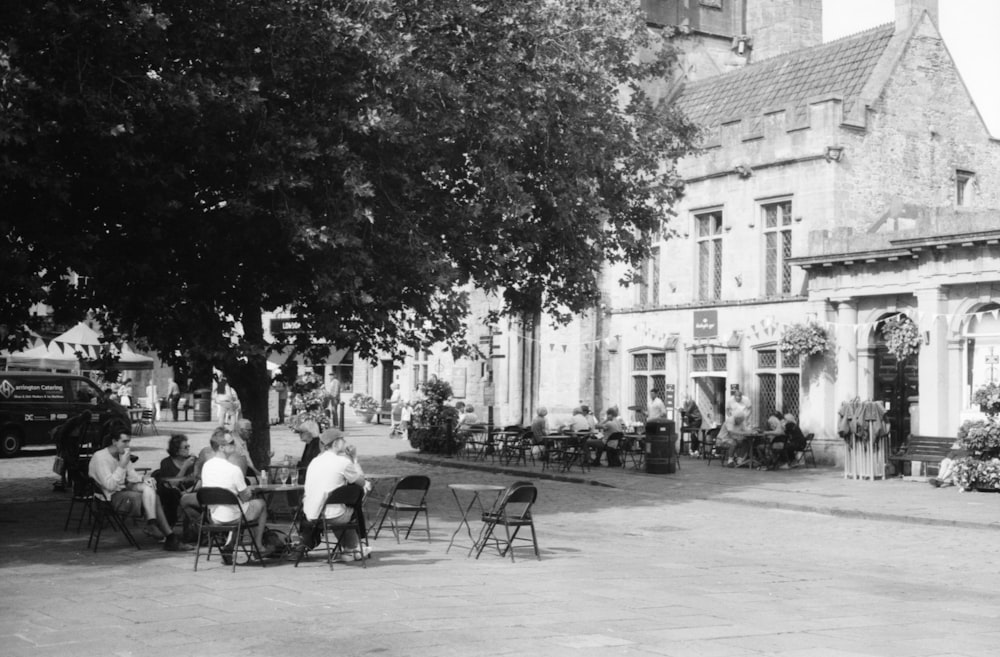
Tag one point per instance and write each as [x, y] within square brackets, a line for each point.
[581, 422]
[168, 496]
[784, 450]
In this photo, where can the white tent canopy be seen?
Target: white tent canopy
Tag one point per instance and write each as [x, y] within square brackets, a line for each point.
[61, 353]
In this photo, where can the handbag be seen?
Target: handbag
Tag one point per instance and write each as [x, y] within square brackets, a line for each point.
[59, 466]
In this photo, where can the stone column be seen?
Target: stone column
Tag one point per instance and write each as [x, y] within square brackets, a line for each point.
[954, 389]
[847, 349]
[933, 361]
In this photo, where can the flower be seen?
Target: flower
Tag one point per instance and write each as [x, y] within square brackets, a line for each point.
[363, 402]
[981, 438]
[902, 338]
[987, 397]
[309, 401]
[805, 340]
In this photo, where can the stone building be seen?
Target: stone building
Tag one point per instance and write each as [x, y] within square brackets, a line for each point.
[839, 184]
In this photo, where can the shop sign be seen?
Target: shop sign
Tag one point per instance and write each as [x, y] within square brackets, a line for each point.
[288, 326]
[706, 324]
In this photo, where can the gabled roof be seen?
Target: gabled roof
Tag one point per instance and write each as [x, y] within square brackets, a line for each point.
[839, 67]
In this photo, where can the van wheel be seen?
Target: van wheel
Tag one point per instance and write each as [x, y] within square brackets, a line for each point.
[10, 442]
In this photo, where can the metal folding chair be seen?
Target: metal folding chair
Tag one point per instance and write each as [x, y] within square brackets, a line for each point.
[103, 512]
[409, 495]
[351, 496]
[513, 510]
[238, 529]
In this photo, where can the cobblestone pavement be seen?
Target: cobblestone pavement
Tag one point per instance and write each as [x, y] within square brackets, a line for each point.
[706, 562]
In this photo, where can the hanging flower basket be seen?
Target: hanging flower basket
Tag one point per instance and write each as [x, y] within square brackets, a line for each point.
[902, 337]
[988, 399]
[800, 340]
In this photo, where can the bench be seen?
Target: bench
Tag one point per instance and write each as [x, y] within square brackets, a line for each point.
[928, 450]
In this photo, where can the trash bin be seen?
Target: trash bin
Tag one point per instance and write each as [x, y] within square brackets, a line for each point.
[660, 437]
[203, 405]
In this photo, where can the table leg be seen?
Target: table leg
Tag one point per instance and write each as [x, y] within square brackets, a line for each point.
[465, 517]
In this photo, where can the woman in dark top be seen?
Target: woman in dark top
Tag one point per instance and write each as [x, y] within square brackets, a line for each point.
[178, 467]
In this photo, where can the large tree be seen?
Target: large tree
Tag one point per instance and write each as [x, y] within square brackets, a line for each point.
[352, 162]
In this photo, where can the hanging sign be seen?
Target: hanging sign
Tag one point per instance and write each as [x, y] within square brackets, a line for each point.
[706, 324]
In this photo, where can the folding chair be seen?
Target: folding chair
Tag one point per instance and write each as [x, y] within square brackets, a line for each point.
[147, 419]
[350, 496]
[234, 532]
[519, 450]
[633, 451]
[409, 496]
[513, 510]
[612, 449]
[807, 451]
[711, 449]
[83, 495]
[103, 512]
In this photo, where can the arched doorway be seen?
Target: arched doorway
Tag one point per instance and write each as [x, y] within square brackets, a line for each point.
[982, 351]
[896, 385]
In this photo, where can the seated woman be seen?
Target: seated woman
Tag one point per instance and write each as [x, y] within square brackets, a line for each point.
[612, 424]
[178, 468]
[796, 441]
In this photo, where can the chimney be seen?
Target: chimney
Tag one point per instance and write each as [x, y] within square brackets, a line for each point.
[908, 12]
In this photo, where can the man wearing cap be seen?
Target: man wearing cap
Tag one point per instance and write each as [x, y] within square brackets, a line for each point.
[337, 465]
[309, 434]
[219, 472]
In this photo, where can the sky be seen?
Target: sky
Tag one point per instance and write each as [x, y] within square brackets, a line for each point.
[969, 28]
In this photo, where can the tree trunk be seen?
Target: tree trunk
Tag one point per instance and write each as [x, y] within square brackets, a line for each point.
[249, 377]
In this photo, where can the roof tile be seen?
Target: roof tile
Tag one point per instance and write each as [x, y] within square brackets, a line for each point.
[839, 67]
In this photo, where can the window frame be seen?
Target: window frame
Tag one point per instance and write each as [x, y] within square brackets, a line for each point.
[785, 232]
[782, 371]
[712, 289]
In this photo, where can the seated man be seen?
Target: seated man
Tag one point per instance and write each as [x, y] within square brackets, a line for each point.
[732, 435]
[220, 472]
[242, 431]
[113, 471]
[335, 466]
[775, 431]
[796, 441]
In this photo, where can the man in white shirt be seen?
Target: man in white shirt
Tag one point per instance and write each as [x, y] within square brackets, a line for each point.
[128, 491]
[336, 466]
[220, 472]
[657, 409]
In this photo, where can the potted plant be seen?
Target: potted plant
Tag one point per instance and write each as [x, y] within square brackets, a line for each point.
[309, 401]
[433, 419]
[980, 470]
[987, 397]
[809, 339]
[902, 337]
[364, 406]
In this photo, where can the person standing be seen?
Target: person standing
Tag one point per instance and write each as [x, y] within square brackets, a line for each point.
[657, 409]
[333, 391]
[691, 420]
[282, 390]
[174, 395]
[739, 404]
[125, 393]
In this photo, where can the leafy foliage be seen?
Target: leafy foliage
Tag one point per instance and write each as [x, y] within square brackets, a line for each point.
[987, 397]
[902, 337]
[309, 400]
[805, 340]
[431, 409]
[201, 163]
[981, 438]
[973, 473]
[362, 402]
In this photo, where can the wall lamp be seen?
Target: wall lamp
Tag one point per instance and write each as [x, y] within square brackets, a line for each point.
[834, 153]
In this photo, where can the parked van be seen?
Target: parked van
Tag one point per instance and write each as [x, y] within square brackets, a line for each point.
[34, 403]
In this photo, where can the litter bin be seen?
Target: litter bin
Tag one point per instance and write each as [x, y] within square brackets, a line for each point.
[660, 437]
[203, 405]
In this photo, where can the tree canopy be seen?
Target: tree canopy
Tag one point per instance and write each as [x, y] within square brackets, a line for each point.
[351, 162]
